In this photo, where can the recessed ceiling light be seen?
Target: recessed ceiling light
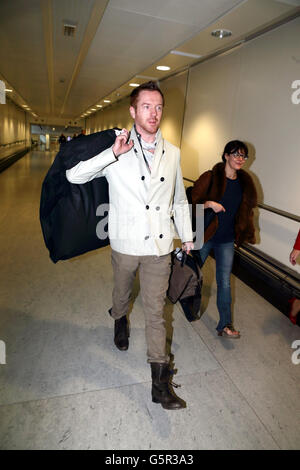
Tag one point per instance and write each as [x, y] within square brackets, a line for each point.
[186, 54]
[221, 33]
[106, 101]
[163, 67]
[99, 105]
[134, 84]
[8, 90]
[93, 109]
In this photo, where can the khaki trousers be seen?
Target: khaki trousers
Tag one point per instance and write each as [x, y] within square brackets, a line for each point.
[154, 273]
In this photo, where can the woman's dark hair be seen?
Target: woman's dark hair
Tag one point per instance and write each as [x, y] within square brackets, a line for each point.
[234, 146]
[149, 86]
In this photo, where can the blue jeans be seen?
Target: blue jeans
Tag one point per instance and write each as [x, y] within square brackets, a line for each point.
[224, 253]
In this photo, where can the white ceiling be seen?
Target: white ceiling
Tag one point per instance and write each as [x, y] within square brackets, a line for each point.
[116, 41]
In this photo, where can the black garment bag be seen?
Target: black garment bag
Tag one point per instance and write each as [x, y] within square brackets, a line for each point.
[68, 211]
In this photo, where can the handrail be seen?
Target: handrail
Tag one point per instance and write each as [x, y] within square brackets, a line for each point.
[288, 215]
[190, 181]
[269, 264]
[12, 143]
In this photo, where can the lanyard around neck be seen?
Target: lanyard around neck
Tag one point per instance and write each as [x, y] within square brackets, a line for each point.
[140, 142]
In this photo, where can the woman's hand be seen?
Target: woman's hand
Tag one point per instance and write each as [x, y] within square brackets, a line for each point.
[121, 146]
[293, 256]
[215, 206]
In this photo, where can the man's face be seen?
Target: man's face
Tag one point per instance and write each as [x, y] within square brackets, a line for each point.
[148, 112]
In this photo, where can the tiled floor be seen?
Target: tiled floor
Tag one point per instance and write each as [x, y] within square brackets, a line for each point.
[66, 386]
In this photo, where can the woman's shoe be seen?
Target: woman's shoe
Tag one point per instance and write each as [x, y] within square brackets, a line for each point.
[230, 332]
[291, 317]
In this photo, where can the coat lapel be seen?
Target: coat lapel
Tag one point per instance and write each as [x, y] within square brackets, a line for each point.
[158, 154]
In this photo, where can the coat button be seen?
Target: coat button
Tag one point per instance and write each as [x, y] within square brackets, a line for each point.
[142, 178]
[162, 179]
[147, 207]
[157, 208]
[161, 235]
[147, 237]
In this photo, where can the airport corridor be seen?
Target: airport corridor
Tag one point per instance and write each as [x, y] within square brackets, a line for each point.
[64, 385]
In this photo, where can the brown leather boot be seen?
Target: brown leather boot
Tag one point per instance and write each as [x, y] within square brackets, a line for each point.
[162, 391]
[121, 333]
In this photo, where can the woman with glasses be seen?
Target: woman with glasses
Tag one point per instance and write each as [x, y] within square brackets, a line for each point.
[229, 194]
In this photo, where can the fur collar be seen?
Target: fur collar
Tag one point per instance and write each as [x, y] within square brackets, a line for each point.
[219, 184]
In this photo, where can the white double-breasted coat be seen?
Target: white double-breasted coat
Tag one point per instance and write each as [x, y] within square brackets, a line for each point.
[143, 206]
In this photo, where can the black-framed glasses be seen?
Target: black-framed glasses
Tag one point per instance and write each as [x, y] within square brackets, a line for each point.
[239, 155]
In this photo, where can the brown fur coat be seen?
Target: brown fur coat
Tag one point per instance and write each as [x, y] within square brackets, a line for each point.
[211, 187]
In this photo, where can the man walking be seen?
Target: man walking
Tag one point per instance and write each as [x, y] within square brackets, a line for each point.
[147, 198]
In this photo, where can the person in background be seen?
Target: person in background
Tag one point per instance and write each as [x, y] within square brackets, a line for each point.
[82, 133]
[230, 194]
[294, 302]
[62, 139]
[146, 193]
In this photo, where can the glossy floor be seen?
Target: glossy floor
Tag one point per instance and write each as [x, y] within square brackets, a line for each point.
[66, 386]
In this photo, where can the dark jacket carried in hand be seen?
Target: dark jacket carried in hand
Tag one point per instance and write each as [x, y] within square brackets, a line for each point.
[185, 284]
[211, 187]
[68, 211]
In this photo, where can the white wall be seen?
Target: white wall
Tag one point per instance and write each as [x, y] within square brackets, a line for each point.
[174, 90]
[246, 95]
[14, 127]
[113, 116]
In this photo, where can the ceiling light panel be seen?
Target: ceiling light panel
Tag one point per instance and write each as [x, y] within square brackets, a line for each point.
[186, 54]
[194, 12]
